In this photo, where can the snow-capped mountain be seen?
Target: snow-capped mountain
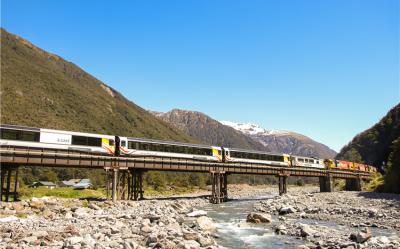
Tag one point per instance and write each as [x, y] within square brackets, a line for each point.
[253, 129]
[281, 141]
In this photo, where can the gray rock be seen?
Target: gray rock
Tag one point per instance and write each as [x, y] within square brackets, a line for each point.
[73, 241]
[287, 210]
[190, 244]
[205, 223]
[259, 218]
[361, 237]
[93, 206]
[29, 240]
[306, 230]
[190, 236]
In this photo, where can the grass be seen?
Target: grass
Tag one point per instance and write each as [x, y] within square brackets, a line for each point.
[26, 193]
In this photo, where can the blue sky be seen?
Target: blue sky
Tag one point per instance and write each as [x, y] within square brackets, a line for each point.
[326, 69]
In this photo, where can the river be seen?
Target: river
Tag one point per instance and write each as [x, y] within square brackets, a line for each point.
[234, 232]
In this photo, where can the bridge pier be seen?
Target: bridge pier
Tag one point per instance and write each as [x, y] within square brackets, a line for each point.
[135, 184]
[8, 183]
[219, 184]
[354, 184]
[282, 181]
[114, 185]
[326, 184]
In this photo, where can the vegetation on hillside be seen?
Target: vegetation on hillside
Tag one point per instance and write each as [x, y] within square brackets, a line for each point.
[378, 146]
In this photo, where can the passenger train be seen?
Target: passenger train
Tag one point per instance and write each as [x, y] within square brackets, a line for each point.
[127, 146]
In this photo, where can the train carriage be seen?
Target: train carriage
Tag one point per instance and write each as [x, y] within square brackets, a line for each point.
[149, 147]
[307, 162]
[22, 136]
[250, 156]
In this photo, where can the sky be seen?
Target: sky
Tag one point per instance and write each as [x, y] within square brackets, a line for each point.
[325, 69]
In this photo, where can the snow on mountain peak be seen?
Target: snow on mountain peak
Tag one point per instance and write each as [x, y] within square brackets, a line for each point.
[252, 129]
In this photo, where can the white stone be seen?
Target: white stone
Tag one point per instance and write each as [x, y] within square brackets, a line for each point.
[197, 213]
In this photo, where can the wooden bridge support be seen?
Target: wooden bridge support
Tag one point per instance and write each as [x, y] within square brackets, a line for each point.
[326, 184]
[219, 182]
[8, 182]
[282, 181]
[135, 184]
[354, 184]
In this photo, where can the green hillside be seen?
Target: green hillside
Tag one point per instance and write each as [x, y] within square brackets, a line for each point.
[43, 90]
[380, 143]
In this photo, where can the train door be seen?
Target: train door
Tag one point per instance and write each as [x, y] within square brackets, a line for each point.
[226, 154]
[123, 145]
[117, 146]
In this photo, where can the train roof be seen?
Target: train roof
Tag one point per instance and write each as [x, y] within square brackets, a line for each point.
[170, 142]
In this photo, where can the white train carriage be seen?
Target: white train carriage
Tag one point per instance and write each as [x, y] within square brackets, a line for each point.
[149, 147]
[56, 139]
[250, 156]
[307, 162]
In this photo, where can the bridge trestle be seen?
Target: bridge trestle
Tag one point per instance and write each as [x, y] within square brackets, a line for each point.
[219, 187]
[282, 183]
[326, 183]
[8, 182]
[353, 184]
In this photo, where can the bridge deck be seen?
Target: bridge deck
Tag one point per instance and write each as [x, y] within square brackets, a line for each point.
[63, 158]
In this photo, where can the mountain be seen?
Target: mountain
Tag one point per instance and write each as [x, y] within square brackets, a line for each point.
[279, 141]
[245, 136]
[41, 89]
[373, 146]
[207, 130]
[377, 145]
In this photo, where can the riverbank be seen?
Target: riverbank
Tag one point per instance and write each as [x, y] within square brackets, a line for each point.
[314, 219]
[50, 222]
[337, 219]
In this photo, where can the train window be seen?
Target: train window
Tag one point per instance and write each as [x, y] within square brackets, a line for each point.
[111, 142]
[79, 140]
[123, 143]
[30, 136]
[95, 141]
[20, 135]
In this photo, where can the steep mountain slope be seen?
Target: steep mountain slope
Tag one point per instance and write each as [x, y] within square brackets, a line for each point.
[207, 130]
[374, 145]
[283, 141]
[43, 90]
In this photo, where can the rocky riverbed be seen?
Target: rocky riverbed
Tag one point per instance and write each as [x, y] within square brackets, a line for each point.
[338, 219]
[317, 220]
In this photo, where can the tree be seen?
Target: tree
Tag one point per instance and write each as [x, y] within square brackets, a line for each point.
[392, 177]
[353, 155]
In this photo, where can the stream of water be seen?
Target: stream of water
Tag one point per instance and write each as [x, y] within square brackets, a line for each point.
[234, 232]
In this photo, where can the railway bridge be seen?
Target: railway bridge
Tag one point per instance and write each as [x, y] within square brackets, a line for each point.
[126, 173]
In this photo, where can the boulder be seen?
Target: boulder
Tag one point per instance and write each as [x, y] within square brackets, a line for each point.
[205, 223]
[197, 213]
[306, 230]
[287, 210]
[259, 218]
[93, 206]
[281, 229]
[190, 236]
[190, 244]
[361, 237]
